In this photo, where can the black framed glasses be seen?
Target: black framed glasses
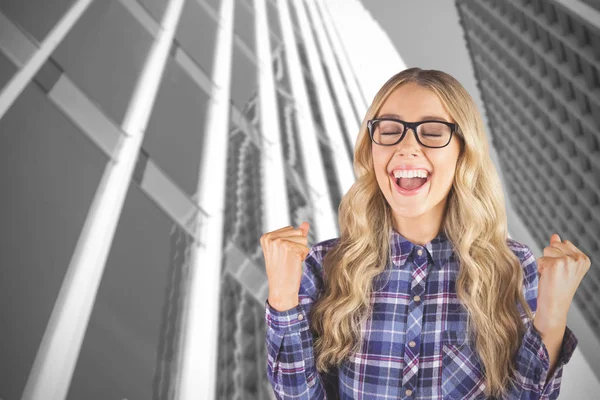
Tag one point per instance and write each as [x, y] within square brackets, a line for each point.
[391, 131]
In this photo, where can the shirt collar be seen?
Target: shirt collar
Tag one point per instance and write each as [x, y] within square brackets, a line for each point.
[440, 249]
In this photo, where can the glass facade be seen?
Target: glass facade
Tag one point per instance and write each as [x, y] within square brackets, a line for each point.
[48, 183]
[63, 133]
[538, 68]
[67, 126]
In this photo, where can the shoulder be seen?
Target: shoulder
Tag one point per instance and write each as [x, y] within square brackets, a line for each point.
[320, 249]
[521, 250]
[314, 259]
[529, 266]
[525, 255]
[313, 275]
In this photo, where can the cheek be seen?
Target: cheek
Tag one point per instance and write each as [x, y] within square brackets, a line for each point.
[381, 177]
[379, 165]
[445, 176]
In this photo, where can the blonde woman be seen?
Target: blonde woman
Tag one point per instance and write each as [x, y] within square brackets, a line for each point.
[423, 295]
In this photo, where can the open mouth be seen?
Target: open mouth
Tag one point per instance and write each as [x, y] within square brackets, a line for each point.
[410, 185]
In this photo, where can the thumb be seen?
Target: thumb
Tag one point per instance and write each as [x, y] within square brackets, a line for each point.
[555, 238]
[304, 227]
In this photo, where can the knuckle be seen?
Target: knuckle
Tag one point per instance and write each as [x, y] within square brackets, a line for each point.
[563, 261]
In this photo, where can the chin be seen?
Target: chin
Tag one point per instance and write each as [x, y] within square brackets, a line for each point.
[409, 213]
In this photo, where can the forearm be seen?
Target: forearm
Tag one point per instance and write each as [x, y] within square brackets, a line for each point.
[553, 340]
[535, 378]
[552, 330]
[290, 361]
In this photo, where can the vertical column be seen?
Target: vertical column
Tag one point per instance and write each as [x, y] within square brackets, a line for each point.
[276, 208]
[325, 219]
[15, 86]
[200, 321]
[56, 358]
[344, 167]
[357, 96]
[350, 122]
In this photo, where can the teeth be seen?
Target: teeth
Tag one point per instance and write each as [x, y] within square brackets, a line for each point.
[413, 173]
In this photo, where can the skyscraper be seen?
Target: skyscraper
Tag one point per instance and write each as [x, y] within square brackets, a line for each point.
[537, 65]
[146, 146]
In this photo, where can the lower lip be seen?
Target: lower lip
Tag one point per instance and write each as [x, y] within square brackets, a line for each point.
[411, 192]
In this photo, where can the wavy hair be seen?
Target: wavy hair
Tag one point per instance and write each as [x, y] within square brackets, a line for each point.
[490, 279]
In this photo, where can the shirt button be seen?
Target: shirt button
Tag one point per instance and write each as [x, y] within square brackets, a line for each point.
[412, 343]
[420, 252]
[408, 392]
[417, 298]
[300, 317]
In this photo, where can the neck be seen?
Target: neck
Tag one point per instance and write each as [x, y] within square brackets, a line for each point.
[423, 228]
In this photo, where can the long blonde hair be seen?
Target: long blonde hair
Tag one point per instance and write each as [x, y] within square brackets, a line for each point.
[490, 278]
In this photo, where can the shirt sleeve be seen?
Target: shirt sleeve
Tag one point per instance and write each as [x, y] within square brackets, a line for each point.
[291, 368]
[532, 359]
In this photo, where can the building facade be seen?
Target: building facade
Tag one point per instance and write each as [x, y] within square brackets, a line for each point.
[537, 65]
[146, 146]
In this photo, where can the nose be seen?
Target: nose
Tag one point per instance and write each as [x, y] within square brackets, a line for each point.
[410, 144]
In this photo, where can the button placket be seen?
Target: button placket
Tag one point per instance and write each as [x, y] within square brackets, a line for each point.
[414, 320]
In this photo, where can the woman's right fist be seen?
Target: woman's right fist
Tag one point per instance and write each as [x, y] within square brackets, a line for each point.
[285, 249]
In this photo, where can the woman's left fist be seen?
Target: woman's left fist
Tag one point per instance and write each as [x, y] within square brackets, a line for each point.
[561, 269]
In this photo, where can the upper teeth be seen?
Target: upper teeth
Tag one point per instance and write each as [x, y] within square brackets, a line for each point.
[410, 173]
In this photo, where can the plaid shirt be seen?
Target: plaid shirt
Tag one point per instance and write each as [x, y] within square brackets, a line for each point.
[415, 344]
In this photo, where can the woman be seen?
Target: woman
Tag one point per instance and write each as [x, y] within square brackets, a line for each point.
[423, 295]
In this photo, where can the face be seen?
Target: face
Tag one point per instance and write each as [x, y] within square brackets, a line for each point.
[412, 103]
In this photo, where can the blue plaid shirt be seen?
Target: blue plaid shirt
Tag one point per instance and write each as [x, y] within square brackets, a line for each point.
[415, 345]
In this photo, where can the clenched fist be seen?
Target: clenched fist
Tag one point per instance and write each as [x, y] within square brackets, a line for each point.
[561, 270]
[285, 249]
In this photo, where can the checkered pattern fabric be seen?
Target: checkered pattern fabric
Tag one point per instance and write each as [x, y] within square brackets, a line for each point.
[415, 344]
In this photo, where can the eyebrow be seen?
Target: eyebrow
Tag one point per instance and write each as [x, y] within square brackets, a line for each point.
[424, 118]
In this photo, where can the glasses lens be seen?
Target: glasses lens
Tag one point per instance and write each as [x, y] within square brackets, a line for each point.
[387, 132]
[434, 134]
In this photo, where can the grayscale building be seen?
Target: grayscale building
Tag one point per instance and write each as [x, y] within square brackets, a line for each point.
[145, 147]
[537, 65]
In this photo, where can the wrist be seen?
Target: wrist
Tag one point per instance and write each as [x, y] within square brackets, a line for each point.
[283, 303]
[548, 324]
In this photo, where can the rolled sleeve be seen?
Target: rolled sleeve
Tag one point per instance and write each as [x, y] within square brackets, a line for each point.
[292, 320]
[291, 365]
[537, 371]
[532, 360]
